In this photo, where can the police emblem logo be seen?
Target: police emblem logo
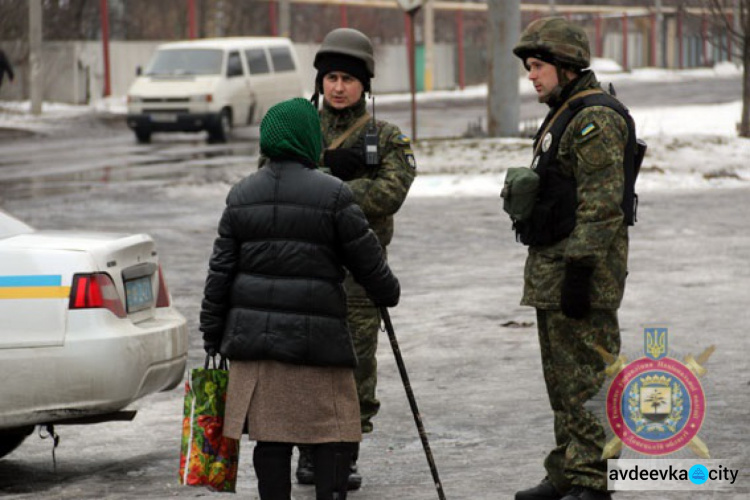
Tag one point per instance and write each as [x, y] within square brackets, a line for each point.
[546, 142]
[655, 405]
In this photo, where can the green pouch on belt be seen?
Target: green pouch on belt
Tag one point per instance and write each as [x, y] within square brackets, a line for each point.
[519, 193]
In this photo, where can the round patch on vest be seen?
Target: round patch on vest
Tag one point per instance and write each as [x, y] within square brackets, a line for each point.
[546, 142]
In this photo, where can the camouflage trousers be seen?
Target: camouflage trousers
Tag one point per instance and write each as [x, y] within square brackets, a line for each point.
[573, 373]
[364, 323]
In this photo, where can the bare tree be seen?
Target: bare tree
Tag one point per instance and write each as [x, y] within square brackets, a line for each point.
[732, 17]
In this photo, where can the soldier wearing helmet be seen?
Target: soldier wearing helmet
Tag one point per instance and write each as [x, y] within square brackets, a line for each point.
[376, 161]
[578, 246]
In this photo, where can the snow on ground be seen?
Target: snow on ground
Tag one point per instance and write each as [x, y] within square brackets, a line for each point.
[690, 147]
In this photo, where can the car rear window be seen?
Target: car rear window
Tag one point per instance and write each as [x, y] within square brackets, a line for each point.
[282, 59]
[257, 61]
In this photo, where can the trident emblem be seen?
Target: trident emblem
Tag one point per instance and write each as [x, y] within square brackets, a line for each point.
[656, 343]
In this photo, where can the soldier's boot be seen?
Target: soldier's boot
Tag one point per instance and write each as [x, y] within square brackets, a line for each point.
[543, 491]
[581, 493]
[355, 478]
[305, 466]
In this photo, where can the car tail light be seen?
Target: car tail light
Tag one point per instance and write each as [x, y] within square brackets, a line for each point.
[94, 291]
[162, 299]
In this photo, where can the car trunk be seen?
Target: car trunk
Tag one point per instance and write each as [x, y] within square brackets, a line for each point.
[129, 260]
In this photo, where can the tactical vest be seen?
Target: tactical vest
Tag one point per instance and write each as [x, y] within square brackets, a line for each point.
[554, 215]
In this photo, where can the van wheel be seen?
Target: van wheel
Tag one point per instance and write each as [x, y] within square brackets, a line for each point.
[142, 135]
[223, 129]
[10, 439]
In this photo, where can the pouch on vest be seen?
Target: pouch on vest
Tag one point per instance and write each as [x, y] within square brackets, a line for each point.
[519, 193]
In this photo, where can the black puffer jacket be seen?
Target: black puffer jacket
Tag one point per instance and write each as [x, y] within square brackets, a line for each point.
[274, 287]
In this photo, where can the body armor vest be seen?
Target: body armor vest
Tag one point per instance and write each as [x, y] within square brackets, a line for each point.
[554, 215]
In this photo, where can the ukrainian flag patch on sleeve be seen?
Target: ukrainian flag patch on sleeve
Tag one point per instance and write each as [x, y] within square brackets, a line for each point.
[588, 129]
[402, 140]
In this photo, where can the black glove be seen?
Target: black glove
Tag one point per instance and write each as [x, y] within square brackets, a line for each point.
[344, 163]
[575, 299]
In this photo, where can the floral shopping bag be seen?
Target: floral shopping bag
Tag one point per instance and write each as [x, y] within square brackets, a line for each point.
[207, 458]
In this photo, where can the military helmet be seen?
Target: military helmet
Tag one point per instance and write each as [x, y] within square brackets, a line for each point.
[557, 41]
[348, 42]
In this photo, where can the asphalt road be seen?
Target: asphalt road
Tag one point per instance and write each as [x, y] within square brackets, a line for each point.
[470, 350]
[89, 148]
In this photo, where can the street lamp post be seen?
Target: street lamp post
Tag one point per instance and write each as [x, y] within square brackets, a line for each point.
[411, 7]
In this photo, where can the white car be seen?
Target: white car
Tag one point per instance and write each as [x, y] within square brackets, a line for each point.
[87, 328]
[212, 84]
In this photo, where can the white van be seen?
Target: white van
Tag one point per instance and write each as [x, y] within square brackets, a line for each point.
[212, 84]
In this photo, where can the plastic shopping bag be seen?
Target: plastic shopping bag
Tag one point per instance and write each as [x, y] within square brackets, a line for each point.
[207, 458]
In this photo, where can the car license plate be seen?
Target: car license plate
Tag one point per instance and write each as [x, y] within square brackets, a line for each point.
[139, 294]
[163, 117]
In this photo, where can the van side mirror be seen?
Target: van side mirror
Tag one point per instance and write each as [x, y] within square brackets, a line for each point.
[138, 70]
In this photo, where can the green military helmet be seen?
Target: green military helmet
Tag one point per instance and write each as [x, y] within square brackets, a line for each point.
[557, 41]
[349, 42]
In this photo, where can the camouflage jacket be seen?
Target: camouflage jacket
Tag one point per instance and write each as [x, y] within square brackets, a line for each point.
[379, 190]
[591, 150]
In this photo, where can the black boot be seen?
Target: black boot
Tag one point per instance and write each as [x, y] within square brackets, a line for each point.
[273, 467]
[305, 466]
[581, 493]
[543, 491]
[332, 466]
[355, 478]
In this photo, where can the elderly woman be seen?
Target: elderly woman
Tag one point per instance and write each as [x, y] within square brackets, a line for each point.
[274, 305]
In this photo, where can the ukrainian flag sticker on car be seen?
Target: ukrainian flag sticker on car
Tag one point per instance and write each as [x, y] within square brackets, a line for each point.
[37, 286]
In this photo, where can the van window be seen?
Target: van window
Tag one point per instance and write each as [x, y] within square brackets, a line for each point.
[173, 62]
[234, 65]
[257, 61]
[282, 59]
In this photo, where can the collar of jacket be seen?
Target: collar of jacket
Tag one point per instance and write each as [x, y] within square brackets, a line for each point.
[282, 159]
[586, 81]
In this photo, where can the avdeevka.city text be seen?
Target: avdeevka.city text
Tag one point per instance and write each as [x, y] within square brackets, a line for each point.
[672, 474]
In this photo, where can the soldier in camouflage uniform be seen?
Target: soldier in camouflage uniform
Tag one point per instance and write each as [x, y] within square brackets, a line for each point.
[376, 161]
[578, 247]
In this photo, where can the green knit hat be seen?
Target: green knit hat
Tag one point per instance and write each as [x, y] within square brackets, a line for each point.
[291, 128]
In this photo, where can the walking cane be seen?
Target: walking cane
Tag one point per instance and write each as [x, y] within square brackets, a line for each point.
[412, 401]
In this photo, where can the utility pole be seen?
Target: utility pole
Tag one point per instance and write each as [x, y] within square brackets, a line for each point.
[284, 18]
[429, 45]
[35, 55]
[104, 13]
[659, 38]
[552, 9]
[410, 8]
[503, 104]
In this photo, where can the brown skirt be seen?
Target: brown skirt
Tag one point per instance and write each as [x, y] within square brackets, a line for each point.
[292, 403]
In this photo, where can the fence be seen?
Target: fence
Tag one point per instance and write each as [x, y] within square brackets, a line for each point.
[74, 71]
